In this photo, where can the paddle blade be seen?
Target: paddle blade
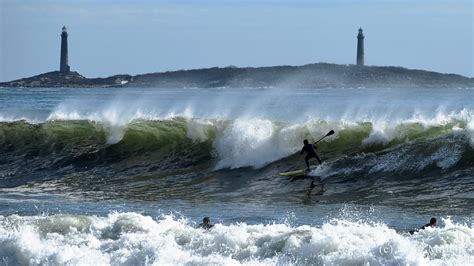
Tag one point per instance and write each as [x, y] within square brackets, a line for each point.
[330, 133]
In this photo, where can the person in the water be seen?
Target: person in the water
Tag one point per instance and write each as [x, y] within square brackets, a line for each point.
[432, 223]
[310, 153]
[206, 223]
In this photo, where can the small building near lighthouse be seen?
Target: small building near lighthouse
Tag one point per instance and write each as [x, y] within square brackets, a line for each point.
[360, 48]
[64, 63]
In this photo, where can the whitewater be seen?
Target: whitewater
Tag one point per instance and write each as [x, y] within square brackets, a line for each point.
[123, 176]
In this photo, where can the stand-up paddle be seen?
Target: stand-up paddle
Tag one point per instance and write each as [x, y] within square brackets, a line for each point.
[327, 135]
[303, 172]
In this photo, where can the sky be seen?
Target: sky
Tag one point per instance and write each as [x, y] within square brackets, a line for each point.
[132, 37]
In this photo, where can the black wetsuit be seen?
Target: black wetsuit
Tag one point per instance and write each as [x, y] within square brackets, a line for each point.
[310, 153]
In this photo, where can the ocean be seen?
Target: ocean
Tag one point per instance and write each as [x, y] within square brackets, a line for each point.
[123, 176]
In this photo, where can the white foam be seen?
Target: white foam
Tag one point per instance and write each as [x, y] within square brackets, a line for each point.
[469, 117]
[247, 143]
[131, 239]
[322, 171]
[257, 142]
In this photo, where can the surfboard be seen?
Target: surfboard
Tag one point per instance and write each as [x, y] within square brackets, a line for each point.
[294, 173]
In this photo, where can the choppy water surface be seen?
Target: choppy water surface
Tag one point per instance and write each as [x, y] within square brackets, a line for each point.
[122, 176]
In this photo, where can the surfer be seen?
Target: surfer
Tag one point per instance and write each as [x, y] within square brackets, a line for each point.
[432, 223]
[206, 223]
[310, 153]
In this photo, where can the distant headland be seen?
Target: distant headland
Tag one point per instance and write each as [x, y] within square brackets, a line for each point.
[319, 75]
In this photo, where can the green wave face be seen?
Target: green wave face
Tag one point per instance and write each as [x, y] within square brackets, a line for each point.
[168, 138]
[183, 157]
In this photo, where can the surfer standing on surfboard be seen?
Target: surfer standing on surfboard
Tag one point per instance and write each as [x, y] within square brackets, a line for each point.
[310, 153]
[309, 149]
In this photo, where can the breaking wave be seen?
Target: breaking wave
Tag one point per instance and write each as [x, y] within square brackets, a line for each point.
[181, 157]
[131, 239]
[237, 143]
